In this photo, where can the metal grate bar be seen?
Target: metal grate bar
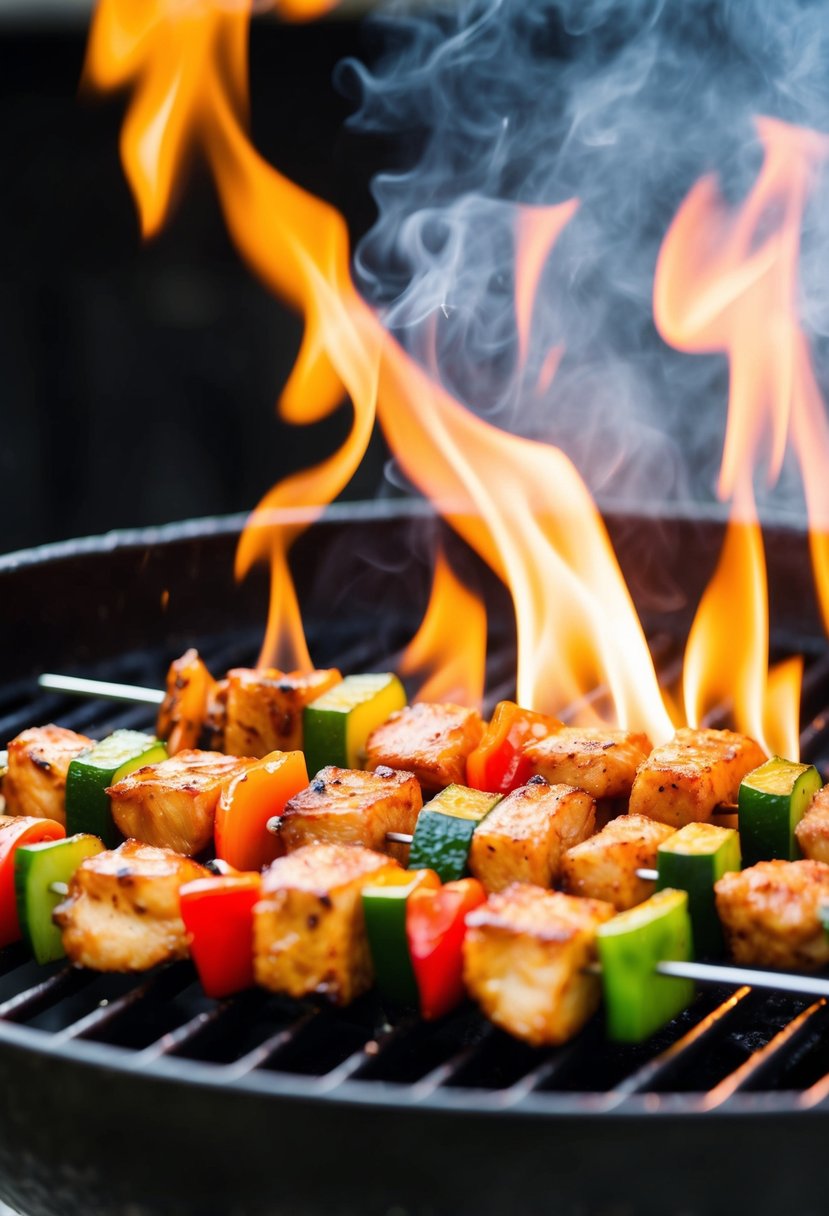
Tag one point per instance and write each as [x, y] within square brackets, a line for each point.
[768, 1058]
[452, 1069]
[272, 1047]
[163, 983]
[359, 1061]
[24, 1004]
[173, 1042]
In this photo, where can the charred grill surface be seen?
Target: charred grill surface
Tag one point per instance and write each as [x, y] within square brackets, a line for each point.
[156, 1050]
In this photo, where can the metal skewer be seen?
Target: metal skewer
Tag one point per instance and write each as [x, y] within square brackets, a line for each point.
[77, 686]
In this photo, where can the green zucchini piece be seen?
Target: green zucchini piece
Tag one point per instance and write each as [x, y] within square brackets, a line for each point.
[36, 868]
[90, 774]
[445, 827]
[384, 909]
[772, 801]
[692, 860]
[336, 726]
[638, 1001]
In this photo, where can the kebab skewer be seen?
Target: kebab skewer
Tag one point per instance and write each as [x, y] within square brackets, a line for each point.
[648, 876]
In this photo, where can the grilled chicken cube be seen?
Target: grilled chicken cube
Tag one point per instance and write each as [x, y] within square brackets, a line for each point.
[687, 778]
[525, 957]
[771, 914]
[212, 736]
[596, 759]
[431, 741]
[309, 933]
[813, 830]
[263, 711]
[173, 804]
[122, 911]
[184, 708]
[39, 759]
[524, 837]
[349, 806]
[605, 866]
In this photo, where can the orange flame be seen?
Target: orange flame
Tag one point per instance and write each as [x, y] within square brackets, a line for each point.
[450, 645]
[726, 281]
[521, 505]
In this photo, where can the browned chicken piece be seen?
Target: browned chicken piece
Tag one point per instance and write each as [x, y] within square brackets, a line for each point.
[173, 804]
[524, 837]
[770, 914]
[813, 830]
[596, 759]
[525, 958]
[605, 866]
[349, 806]
[685, 779]
[39, 759]
[309, 934]
[184, 708]
[431, 741]
[122, 911]
[264, 708]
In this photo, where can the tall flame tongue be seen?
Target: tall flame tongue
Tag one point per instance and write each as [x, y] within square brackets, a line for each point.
[726, 281]
[520, 504]
[450, 646]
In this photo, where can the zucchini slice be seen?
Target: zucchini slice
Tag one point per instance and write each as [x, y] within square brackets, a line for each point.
[772, 801]
[692, 860]
[337, 725]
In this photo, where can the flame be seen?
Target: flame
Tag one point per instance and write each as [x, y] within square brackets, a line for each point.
[727, 281]
[520, 504]
[450, 644]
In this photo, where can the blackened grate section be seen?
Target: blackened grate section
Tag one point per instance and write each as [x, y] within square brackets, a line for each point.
[730, 1047]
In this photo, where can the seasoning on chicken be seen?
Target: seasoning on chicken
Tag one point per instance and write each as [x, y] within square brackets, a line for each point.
[813, 830]
[684, 780]
[349, 806]
[524, 837]
[173, 804]
[596, 759]
[39, 759]
[526, 955]
[212, 736]
[604, 867]
[122, 911]
[184, 708]
[771, 914]
[431, 741]
[263, 710]
[309, 933]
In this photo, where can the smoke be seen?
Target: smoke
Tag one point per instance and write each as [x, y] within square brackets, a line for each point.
[622, 104]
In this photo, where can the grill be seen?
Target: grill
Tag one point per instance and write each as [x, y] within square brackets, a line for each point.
[138, 1095]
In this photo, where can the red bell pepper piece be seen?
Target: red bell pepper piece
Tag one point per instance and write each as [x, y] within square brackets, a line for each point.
[251, 799]
[15, 831]
[497, 764]
[435, 929]
[218, 916]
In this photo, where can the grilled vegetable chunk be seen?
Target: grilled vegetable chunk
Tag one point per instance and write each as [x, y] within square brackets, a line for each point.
[525, 836]
[173, 804]
[183, 711]
[770, 914]
[596, 759]
[263, 710]
[431, 741]
[813, 830]
[685, 779]
[39, 760]
[309, 934]
[348, 806]
[525, 958]
[605, 866]
[122, 912]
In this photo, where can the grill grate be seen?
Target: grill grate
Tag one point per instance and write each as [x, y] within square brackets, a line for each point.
[730, 1049]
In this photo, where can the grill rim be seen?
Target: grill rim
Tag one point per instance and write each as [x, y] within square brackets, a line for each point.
[374, 1094]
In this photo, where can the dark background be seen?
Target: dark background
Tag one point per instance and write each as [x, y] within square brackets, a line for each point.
[138, 382]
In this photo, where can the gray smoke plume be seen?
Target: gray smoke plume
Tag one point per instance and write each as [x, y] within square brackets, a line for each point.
[623, 104]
